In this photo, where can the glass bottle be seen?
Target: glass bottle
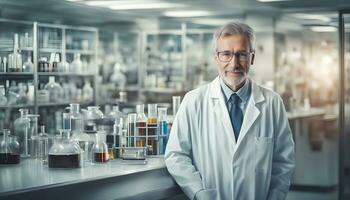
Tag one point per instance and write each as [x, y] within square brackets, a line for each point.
[115, 114]
[15, 58]
[162, 129]
[65, 153]
[40, 145]
[100, 149]
[32, 132]
[3, 99]
[55, 90]
[131, 129]
[88, 92]
[76, 119]
[76, 66]
[93, 117]
[9, 148]
[141, 122]
[152, 129]
[21, 129]
[28, 66]
[21, 97]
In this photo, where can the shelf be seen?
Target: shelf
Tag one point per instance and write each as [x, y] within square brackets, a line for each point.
[49, 50]
[16, 106]
[10, 49]
[63, 74]
[163, 90]
[83, 52]
[17, 73]
[61, 103]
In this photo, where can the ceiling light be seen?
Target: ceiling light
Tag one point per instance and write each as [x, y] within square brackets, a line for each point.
[323, 28]
[212, 21]
[272, 0]
[188, 13]
[311, 17]
[141, 6]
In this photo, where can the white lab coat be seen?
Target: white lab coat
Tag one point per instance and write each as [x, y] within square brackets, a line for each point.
[206, 161]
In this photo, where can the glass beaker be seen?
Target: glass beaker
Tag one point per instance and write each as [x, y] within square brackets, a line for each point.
[162, 129]
[100, 148]
[65, 153]
[9, 148]
[141, 123]
[93, 118]
[130, 138]
[114, 115]
[176, 104]
[22, 131]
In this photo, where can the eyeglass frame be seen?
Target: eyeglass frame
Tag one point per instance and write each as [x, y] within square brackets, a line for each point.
[236, 54]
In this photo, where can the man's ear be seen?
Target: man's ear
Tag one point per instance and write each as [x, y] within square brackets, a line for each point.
[252, 60]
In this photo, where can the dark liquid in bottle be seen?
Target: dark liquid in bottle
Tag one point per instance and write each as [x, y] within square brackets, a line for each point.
[152, 129]
[141, 127]
[14, 70]
[64, 161]
[152, 150]
[101, 157]
[8, 158]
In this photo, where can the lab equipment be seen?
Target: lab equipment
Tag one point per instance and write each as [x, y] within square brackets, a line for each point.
[88, 92]
[134, 155]
[93, 118]
[76, 66]
[65, 153]
[100, 149]
[152, 130]
[162, 129]
[43, 65]
[141, 123]
[32, 132]
[55, 90]
[76, 119]
[9, 148]
[41, 145]
[131, 129]
[3, 99]
[15, 58]
[21, 130]
[28, 66]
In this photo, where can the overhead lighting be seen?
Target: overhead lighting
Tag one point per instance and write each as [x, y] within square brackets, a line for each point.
[212, 21]
[272, 0]
[140, 6]
[311, 17]
[323, 28]
[188, 13]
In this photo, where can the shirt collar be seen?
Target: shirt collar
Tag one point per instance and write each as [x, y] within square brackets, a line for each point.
[243, 92]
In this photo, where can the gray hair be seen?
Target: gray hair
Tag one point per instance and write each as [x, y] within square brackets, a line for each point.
[235, 28]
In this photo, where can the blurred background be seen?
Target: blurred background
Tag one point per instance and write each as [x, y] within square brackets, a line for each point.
[128, 52]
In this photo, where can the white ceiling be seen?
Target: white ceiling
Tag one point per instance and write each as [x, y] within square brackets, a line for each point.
[67, 12]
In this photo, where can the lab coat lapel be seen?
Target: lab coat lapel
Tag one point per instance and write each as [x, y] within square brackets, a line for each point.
[252, 112]
[220, 108]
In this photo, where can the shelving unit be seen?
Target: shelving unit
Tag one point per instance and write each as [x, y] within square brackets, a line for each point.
[47, 39]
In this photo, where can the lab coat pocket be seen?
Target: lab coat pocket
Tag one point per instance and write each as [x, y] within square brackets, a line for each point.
[263, 152]
[207, 194]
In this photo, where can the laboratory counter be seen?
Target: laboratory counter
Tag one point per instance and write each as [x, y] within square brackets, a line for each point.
[30, 179]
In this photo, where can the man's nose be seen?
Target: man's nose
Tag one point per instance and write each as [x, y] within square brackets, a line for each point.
[234, 61]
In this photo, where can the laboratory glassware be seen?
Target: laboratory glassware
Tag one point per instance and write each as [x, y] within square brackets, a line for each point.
[65, 153]
[55, 90]
[131, 129]
[3, 98]
[141, 123]
[22, 131]
[93, 118]
[162, 129]
[100, 148]
[152, 129]
[9, 148]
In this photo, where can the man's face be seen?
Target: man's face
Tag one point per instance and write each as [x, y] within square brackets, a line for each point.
[235, 71]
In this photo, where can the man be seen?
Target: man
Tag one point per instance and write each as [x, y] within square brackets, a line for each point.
[231, 139]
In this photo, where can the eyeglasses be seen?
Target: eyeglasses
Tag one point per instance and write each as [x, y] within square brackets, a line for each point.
[226, 56]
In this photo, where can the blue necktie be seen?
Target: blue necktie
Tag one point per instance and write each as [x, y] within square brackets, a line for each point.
[236, 114]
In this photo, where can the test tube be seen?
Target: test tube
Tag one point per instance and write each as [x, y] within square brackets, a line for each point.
[152, 129]
[131, 129]
[162, 129]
